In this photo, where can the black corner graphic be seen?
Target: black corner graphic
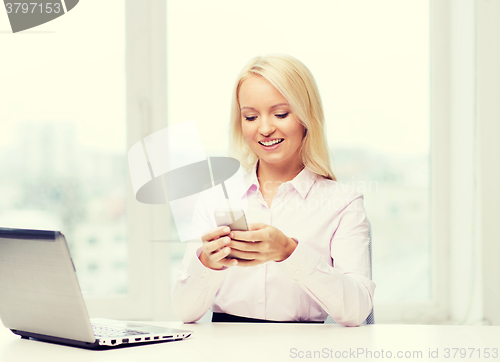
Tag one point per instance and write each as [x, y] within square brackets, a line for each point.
[27, 14]
[70, 4]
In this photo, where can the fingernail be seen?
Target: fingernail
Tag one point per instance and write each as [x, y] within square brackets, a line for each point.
[226, 240]
[234, 262]
[226, 230]
[226, 251]
[231, 235]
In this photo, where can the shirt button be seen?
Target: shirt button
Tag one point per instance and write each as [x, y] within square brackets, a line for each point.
[261, 300]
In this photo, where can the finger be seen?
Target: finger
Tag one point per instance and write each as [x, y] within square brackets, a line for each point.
[256, 226]
[245, 246]
[215, 245]
[216, 233]
[244, 255]
[246, 235]
[219, 255]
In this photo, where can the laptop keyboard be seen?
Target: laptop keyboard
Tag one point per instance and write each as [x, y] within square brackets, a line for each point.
[106, 331]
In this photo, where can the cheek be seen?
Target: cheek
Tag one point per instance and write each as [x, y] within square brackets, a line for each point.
[247, 130]
[296, 130]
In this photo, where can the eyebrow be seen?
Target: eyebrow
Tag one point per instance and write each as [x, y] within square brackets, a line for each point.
[276, 105]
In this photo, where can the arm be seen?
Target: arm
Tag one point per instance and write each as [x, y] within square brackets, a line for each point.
[344, 291]
[195, 287]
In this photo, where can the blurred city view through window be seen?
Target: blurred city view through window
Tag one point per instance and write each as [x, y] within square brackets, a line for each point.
[371, 62]
[63, 150]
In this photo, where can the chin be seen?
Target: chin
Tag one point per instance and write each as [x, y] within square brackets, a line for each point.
[273, 159]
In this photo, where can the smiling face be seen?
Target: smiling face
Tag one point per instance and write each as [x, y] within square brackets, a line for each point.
[268, 124]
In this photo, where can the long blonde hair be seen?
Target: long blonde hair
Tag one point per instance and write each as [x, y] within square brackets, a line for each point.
[296, 83]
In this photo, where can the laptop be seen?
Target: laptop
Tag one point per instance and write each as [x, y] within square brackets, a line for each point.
[40, 297]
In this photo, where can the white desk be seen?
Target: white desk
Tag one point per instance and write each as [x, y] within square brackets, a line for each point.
[275, 342]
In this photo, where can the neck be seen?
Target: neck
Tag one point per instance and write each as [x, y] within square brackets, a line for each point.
[279, 173]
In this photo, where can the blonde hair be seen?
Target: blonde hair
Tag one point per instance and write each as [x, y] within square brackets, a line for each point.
[296, 83]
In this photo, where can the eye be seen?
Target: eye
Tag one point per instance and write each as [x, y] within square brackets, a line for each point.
[284, 115]
[250, 118]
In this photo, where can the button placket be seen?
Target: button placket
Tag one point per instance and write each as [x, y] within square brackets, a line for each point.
[260, 295]
[261, 200]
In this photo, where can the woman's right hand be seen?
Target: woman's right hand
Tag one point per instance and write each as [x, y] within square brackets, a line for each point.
[215, 249]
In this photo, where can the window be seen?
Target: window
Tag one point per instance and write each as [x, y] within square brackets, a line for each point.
[377, 65]
[371, 62]
[63, 149]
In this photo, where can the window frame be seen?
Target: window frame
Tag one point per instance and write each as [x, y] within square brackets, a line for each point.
[145, 57]
[464, 132]
[488, 118]
[436, 310]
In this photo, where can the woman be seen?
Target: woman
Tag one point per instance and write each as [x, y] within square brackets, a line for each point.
[305, 255]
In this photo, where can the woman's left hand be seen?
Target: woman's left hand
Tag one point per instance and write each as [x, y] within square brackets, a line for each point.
[260, 244]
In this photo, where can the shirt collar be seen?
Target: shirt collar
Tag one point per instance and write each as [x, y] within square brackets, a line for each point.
[251, 181]
[302, 182]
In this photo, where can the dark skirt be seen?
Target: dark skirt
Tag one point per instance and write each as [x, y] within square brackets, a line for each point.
[229, 318]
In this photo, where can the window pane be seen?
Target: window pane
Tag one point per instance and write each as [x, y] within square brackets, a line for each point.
[371, 62]
[63, 139]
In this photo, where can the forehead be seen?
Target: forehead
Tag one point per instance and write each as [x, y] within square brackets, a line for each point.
[256, 90]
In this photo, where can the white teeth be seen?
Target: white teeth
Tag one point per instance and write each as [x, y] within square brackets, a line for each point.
[270, 143]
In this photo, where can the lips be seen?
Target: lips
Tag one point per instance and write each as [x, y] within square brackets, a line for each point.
[271, 143]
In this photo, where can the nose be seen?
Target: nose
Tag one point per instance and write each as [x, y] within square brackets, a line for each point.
[266, 126]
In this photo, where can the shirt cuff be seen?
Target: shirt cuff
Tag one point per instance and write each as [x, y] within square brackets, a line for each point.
[301, 263]
[202, 274]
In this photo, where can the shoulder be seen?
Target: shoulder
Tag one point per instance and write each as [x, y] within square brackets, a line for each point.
[335, 191]
[336, 188]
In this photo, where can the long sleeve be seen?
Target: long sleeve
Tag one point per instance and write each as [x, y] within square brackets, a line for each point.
[345, 289]
[195, 287]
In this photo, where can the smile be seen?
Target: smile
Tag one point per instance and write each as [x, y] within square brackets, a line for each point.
[273, 142]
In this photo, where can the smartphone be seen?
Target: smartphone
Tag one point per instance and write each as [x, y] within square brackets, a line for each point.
[234, 218]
